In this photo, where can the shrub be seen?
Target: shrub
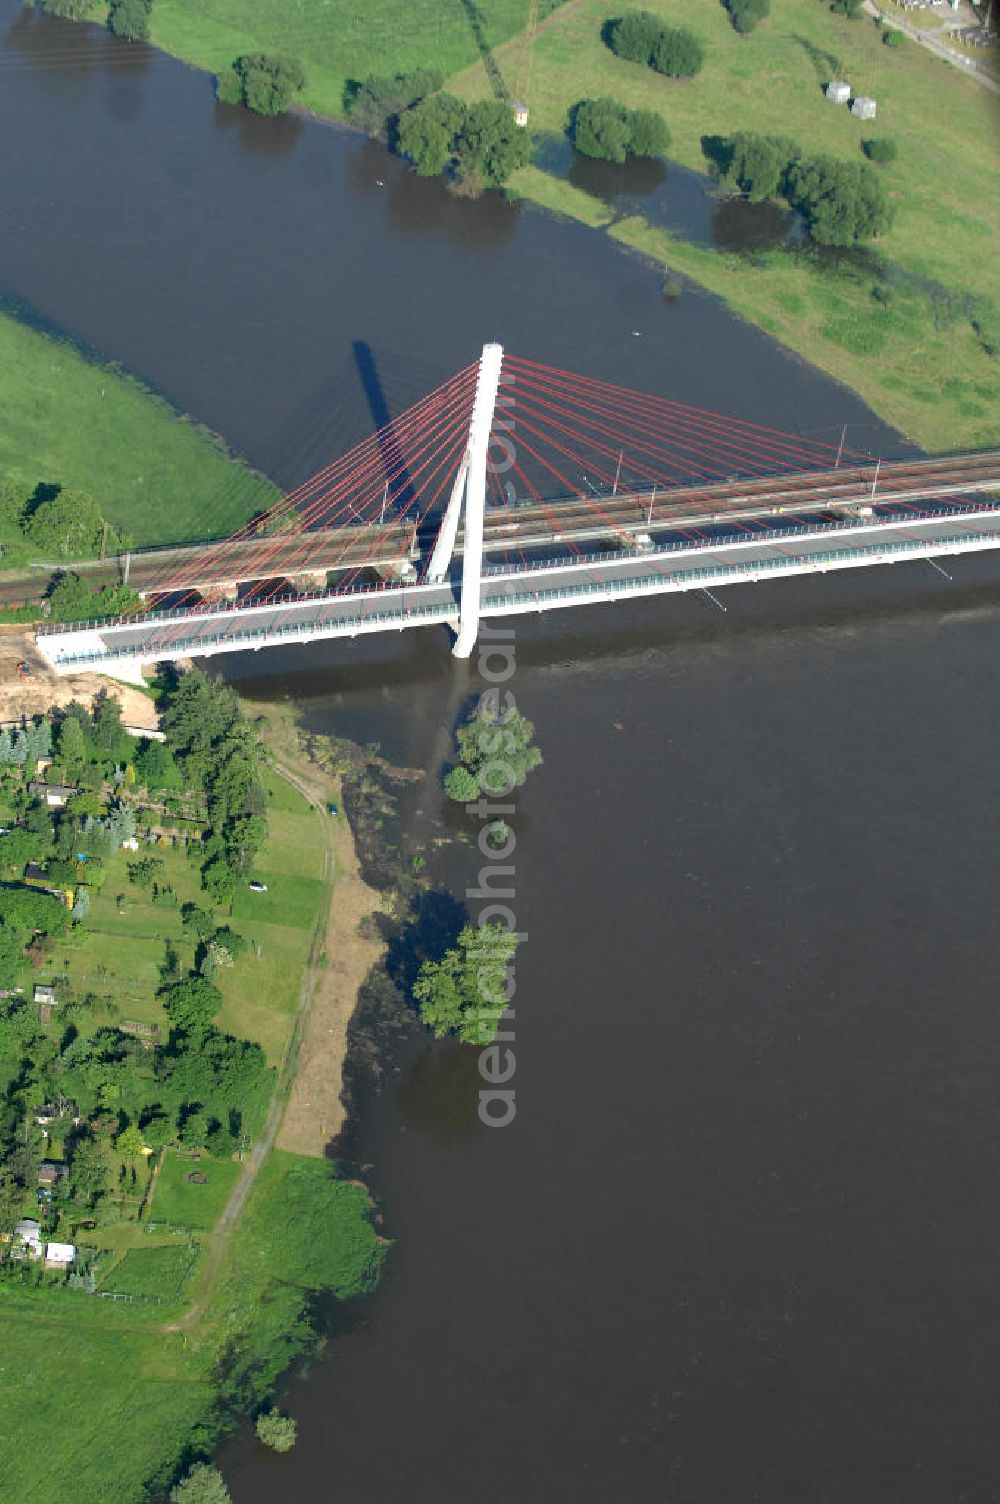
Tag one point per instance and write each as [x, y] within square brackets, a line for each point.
[744, 15]
[849, 8]
[880, 149]
[130, 19]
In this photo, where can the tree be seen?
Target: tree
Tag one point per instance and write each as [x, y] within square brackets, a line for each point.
[130, 19]
[71, 747]
[67, 525]
[600, 128]
[465, 992]
[264, 82]
[72, 10]
[88, 1171]
[744, 15]
[606, 129]
[11, 1204]
[191, 1004]
[427, 133]
[498, 751]
[378, 100]
[759, 165]
[461, 785]
[649, 134]
[20, 846]
[11, 954]
[842, 202]
[219, 880]
[634, 36]
[197, 921]
[110, 739]
[849, 8]
[678, 53]
[276, 1431]
[144, 872]
[130, 1142]
[202, 1485]
[489, 144]
[194, 1130]
[155, 767]
[880, 149]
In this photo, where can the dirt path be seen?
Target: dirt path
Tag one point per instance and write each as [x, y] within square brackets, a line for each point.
[306, 1110]
[218, 1240]
[315, 1111]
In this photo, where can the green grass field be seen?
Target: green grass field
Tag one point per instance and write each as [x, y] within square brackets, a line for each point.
[337, 40]
[120, 953]
[179, 1201]
[157, 1271]
[918, 362]
[89, 428]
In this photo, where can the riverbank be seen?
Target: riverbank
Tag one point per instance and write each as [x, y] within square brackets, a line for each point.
[205, 1292]
[73, 420]
[911, 324]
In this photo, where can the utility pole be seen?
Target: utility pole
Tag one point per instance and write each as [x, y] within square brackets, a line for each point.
[649, 514]
[618, 472]
[385, 498]
[878, 466]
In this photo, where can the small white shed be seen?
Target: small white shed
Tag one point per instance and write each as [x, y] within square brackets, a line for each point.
[838, 92]
[863, 108]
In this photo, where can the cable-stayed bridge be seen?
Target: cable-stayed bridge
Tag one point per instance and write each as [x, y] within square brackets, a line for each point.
[517, 488]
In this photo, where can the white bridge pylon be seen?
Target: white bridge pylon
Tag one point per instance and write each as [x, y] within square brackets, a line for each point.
[470, 489]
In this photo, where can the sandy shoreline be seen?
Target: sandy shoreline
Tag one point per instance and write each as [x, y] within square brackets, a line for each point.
[315, 1112]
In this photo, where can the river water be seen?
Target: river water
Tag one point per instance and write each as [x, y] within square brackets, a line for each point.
[740, 1241]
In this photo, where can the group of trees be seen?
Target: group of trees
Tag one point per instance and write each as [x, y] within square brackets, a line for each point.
[375, 104]
[746, 14]
[71, 599]
[608, 130]
[218, 753]
[639, 36]
[262, 81]
[54, 522]
[495, 754]
[477, 145]
[466, 991]
[842, 203]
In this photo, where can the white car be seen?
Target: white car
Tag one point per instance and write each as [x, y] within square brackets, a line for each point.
[258, 887]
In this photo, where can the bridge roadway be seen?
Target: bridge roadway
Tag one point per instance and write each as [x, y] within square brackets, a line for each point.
[310, 556]
[120, 649]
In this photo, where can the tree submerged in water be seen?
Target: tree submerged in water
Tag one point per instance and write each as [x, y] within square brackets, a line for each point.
[496, 753]
[276, 1431]
[202, 1485]
[466, 991]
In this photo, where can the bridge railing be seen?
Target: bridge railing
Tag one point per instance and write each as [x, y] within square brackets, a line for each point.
[305, 600]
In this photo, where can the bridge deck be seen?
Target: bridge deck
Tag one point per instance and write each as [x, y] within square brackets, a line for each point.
[121, 647]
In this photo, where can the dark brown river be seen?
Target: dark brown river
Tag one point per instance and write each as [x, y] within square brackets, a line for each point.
[740, 1242]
